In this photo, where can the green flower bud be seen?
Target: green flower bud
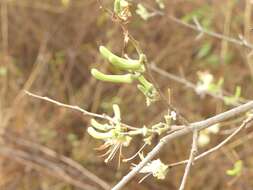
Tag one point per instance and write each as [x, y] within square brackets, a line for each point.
[148, 90]
[147, 85]
[121, 63]
[117, 7]
[126, 78]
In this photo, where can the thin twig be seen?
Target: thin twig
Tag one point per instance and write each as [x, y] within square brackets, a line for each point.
[241, 42]
[42, 150]
[194, 126]
[194, 150]
[192, 86]
[77, 108]
[42, 164]
[198, 27]
[225, 141]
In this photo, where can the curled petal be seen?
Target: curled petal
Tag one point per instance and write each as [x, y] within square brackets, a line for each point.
[99, 126]
[99, 135]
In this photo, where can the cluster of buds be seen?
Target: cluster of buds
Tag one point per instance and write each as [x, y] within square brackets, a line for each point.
[134, 68]
[117, 135]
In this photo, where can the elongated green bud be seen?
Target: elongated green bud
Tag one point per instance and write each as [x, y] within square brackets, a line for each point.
[116, 111]
[99, 126]
[121, 63]
[144, 82]
[99, 135]
[126, 78]
[117, 6]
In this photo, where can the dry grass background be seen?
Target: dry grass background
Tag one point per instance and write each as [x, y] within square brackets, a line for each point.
[49, 49]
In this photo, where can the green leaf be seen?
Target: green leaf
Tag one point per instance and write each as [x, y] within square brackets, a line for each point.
[204, 50]
[197, 13]
[236, 170]
[230, 100]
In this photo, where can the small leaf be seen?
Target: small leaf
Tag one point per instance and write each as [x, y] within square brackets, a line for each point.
[202, 14]
[204, 50]
[236, 170]
[230, 100]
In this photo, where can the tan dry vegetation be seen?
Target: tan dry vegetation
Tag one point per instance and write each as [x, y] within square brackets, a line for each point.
[49, 49]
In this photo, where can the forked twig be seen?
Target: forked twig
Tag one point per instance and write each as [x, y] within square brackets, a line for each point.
[194, 126]
[217, 147]
[197, 27]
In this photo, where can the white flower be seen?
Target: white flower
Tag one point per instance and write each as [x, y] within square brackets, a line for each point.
[205, 79]
[203, 139]
[156, 168]
[214, 128]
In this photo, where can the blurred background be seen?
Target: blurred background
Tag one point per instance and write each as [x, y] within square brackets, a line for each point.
[49, 46]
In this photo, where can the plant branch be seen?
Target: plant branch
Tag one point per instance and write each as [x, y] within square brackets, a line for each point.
[43, 165]
[194, 126]
[194, 150]
[53, 156]
[192, 86]
[197, 27]
[225, 141]
[77, 108]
